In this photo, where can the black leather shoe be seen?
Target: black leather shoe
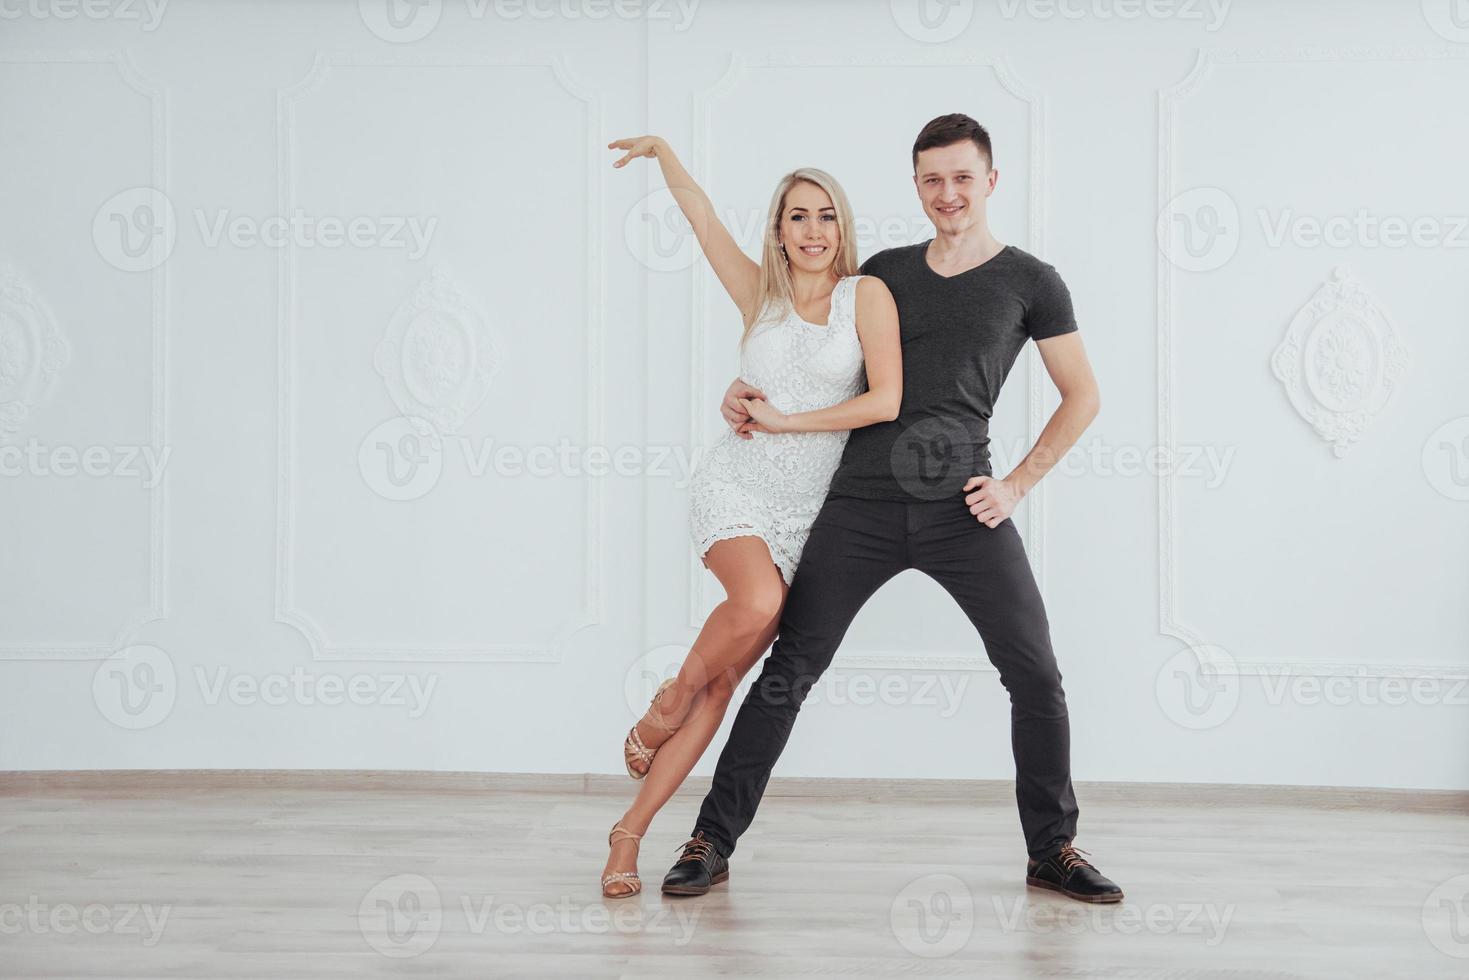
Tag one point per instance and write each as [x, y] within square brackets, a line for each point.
[1069, 873]
[700, 868]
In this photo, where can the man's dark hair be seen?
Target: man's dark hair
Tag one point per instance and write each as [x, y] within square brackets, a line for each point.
[948, 130]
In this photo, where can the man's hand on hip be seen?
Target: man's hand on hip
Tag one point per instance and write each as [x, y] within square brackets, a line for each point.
[992, 500]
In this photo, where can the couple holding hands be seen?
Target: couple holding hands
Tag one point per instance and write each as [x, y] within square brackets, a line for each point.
[859, 447]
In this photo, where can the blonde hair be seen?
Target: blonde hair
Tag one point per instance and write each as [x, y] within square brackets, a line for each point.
[775, 294]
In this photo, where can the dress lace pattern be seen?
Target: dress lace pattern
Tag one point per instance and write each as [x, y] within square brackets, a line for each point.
[772, 485]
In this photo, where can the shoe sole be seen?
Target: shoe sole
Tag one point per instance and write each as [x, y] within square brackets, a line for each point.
[1107, 898]
[694, 889]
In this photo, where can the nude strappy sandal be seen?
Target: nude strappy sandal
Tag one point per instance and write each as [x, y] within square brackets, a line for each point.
[633, 749]
[629, 878]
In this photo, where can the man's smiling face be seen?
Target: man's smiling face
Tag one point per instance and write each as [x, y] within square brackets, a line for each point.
[953, 183]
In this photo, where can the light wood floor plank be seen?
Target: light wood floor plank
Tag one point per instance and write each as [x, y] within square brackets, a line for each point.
[264, 875]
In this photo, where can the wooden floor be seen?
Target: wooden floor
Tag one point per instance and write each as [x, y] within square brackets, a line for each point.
[461, 875]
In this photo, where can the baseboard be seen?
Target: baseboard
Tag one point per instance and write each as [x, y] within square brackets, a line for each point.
[147, 782]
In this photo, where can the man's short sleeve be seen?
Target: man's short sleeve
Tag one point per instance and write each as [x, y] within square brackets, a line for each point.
[1049, 313]
[874, 264]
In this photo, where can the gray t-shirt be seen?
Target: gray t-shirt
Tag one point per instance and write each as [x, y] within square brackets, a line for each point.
[960, 336]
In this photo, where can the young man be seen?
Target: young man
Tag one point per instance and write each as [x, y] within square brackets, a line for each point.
[918, 492]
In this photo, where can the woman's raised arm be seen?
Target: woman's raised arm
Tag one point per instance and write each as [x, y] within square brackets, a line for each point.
[739, 274]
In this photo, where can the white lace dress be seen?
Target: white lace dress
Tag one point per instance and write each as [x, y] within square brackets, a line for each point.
[772, 485]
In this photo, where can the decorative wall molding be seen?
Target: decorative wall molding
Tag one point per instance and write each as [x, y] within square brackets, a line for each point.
[33, 351]
[1339, 360]
[1170, 622]
[589, 611]
[700, 398]
[158, 425]
[438, 355]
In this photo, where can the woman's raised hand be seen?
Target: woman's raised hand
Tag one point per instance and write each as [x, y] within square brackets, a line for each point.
[737, 272]
[638, 146]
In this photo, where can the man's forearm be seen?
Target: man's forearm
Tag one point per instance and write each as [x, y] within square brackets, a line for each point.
[1066, 425]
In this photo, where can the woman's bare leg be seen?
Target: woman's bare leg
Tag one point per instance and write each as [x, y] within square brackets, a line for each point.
[754, 593]
[724, 653]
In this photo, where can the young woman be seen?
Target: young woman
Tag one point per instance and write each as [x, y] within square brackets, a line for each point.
[814, 330]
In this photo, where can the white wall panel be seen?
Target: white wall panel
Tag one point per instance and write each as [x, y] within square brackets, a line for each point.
[521, 296]
[83, 343]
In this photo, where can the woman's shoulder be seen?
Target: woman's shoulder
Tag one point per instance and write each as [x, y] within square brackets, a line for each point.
[864, 285]
[863, 292]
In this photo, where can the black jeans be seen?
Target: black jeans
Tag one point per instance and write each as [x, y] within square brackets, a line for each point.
[855, 546]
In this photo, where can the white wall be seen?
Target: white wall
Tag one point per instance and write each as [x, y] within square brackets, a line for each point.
[554, 303]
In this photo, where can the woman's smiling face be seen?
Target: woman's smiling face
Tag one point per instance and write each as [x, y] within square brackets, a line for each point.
[808, 228]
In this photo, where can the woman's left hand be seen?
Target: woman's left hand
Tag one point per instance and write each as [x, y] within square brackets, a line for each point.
[770, 418]
[637, 146]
